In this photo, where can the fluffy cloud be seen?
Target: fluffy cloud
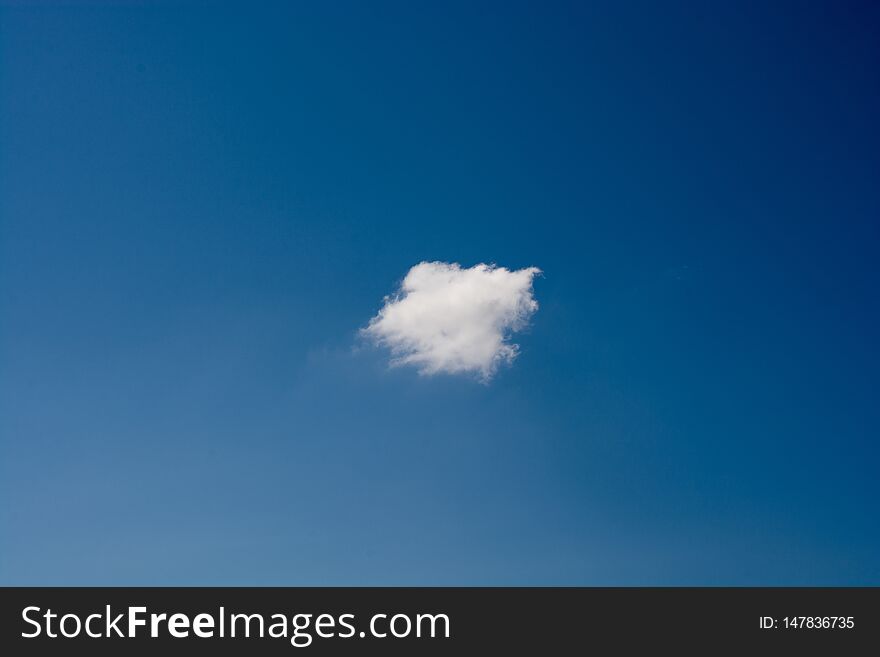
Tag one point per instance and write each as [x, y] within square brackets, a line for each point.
[448, 319]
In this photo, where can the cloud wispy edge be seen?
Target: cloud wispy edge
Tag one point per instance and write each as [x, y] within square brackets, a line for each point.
[446, 319]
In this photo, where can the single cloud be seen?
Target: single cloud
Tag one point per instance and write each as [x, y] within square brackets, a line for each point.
[453, 320]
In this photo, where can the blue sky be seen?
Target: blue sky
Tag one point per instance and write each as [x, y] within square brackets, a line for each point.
[202, 204]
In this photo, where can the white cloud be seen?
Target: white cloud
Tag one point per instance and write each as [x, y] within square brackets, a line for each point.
[448, 319]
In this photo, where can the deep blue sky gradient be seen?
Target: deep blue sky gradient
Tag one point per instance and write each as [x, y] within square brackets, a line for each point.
[200, 204]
